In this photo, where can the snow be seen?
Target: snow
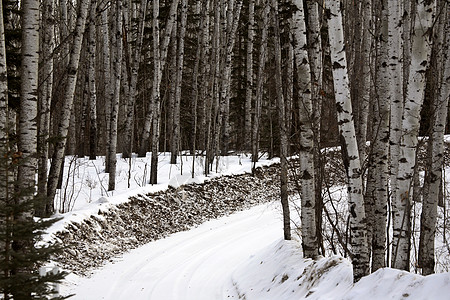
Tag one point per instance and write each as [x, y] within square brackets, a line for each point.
[241, 256]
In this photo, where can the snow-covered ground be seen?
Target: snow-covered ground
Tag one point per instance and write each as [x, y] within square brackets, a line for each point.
[241, 256]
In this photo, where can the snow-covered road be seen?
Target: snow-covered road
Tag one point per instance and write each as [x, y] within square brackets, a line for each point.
[195, 264]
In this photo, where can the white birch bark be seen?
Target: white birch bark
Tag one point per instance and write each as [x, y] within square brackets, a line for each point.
[315, 62]
[249, 75]
[281, 109]
[63, 126]
[233, 15]
[434, 173]
[155, 94]
[179, 80]
[380, 142]
[107, 81]
[360, 254]
[117, 67]
[136, 60]
[395, 45]
[27, 135]
[260, 82]
[162, 57]
[401, 204]
[45, 100]
[364, 87]
[307, 184]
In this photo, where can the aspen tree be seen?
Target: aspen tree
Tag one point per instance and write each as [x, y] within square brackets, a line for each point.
[260, 81]
[45, 100]
[249, 75]
[63, 126]
[117, 68]
[350, 153]
[401, 204]
[281, 109]
[433, 178]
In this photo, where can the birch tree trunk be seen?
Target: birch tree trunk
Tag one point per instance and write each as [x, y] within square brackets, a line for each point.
[27, 135]
[233, 15]
[308, 206]
[366, 78]
[249, 75]
[92, 82]
[107, 82]
[281, 108]
[136, 60]
[115, 103]
[378, 167]
[162, 54]
[315, 61]
[401, 204]
[155, 94]
[178, 81]
[63, 126]
[350, 154]
[260, 81]
[434, 174]
[45, 99]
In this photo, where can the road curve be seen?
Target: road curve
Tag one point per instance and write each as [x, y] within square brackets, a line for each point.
[191, 265]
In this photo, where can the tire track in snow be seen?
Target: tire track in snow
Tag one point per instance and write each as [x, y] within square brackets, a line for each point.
[191, 265]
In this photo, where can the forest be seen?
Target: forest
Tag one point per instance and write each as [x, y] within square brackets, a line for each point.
[212, 78]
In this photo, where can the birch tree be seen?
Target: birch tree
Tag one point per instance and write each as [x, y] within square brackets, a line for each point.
[377, 189]
[433, 178]
[161, 53]
[27, 145]
[92, 82]
[178, 81]
[45, 97]
[135, 66]
[308, 206]
[281, 109]
[314, 41]
[401, 204]
[260, 82]
[63, 126]
[350, 154]
[117, 60]
[249, 75]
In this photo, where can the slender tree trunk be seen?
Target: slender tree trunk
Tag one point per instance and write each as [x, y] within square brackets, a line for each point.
[260, 82]
[45, 101]
[150, 118]
[434, 174]
[179, 59]
[63, 126]
[308, 207]
[92, 83]
[27, 135]
[136, 60]
[107, 81]
[155, 94]
[315, 61]
[118, 25]
[380, 142]
[3, 117]
[249, 76]
[350, 154]
[401, 204]
[281, 108]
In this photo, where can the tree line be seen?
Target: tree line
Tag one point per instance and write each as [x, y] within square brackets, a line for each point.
[214, 77]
